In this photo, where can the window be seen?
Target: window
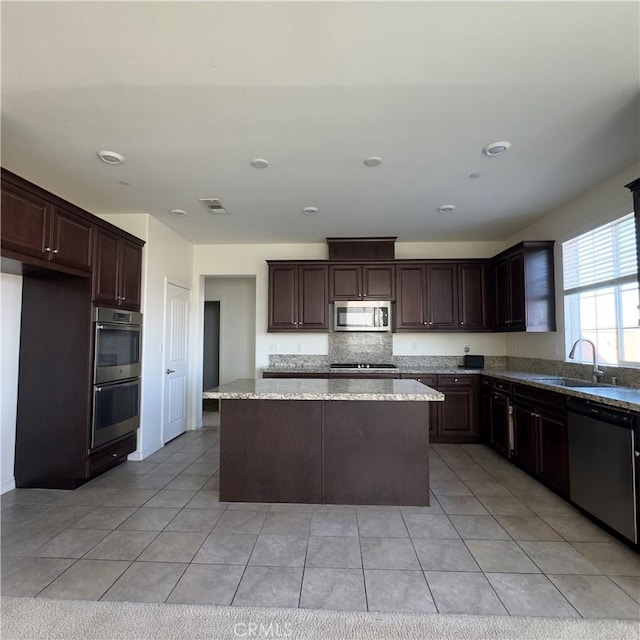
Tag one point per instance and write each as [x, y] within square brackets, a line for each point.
[601, 293]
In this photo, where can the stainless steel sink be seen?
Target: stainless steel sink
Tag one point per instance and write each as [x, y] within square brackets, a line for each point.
[570, 382]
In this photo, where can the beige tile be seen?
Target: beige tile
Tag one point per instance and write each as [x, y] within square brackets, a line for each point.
[336, 589]
[146, 582]
[558, 557]
[207, 584]
[388, 553]
[173, 546]
[500, 556]
[405, 591]
[122, 545]
[527, 528]
[612, 558]
[28, 576]
[86, 580]
[269, 587]
[527, 594]
[468, 593]
[596, 597]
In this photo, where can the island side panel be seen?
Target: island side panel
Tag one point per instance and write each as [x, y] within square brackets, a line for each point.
[270, 451]
[376, 453]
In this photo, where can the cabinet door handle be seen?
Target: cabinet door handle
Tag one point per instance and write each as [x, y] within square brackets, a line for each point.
[364, 295]
[461, 321]
[455, 379]
[430, 322]
[47, 249]
[170, 371]
[55, 251]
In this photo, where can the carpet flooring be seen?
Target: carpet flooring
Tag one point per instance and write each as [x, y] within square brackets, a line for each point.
[39, 618]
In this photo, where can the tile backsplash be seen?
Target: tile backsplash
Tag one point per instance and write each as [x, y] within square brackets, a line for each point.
[361, 347]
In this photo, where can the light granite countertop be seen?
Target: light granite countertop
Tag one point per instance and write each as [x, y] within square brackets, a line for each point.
[622, 397]
[616, 396]
[324, 389]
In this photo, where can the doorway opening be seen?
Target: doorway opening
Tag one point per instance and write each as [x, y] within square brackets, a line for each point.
[211, 352]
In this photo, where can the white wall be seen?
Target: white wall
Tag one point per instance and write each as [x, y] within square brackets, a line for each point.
[11, 305]
[237, 298]
[167, 257]
[250, 261]
[601, 204]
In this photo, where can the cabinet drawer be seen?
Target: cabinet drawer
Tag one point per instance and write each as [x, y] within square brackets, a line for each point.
[430, 379]
[456, 381]
[540, 397]
[111, 454]
[500, 385]
[362, 376]
[292, 374]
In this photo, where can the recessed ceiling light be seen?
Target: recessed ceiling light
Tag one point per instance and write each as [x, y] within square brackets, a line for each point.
[373, 161]
[259, 163]
[310, 211]
[110, 157]
[473, 176]
[179, 212]
[496, 148]
[446, 208]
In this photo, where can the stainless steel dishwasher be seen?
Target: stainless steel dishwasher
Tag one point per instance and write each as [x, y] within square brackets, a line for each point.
[602, 457]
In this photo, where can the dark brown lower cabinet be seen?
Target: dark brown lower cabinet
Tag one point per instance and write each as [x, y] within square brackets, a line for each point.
[333, 452]
[500, 417]
[270, 451]
[456, 418]
[525, 436]
[554, 451]
[458, 415]
[541, 436]
[111, 454]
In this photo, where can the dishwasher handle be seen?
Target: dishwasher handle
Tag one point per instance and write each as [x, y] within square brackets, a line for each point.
[601, 412]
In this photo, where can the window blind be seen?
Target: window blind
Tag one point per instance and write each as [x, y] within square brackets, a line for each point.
[605, 255]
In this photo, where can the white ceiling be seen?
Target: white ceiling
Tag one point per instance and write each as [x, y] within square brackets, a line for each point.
[190, 92]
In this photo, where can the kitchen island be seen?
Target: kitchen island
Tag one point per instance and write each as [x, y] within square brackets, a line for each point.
[319, 441]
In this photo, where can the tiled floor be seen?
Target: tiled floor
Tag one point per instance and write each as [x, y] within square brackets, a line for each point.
[493, 541]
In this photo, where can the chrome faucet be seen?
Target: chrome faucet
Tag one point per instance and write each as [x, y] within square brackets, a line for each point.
[572, 354]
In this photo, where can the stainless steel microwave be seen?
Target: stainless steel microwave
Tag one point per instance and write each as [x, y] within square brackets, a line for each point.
[358, 315]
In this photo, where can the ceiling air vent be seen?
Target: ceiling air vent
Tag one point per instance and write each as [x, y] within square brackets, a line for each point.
[213, 205]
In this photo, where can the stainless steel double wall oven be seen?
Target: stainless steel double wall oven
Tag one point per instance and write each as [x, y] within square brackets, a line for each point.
[116, 374]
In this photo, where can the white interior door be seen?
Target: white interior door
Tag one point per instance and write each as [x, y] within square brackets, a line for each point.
[176, 343]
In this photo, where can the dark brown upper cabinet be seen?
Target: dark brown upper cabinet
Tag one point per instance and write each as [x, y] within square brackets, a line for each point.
[298, 298]
[474, 308]
[634, 187]
[117, 271]
[33, 227]
[361, 282]
[524, 288]
[442, 296]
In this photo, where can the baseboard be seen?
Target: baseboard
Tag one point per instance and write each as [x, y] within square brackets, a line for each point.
[9, 485]
[138, 456]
